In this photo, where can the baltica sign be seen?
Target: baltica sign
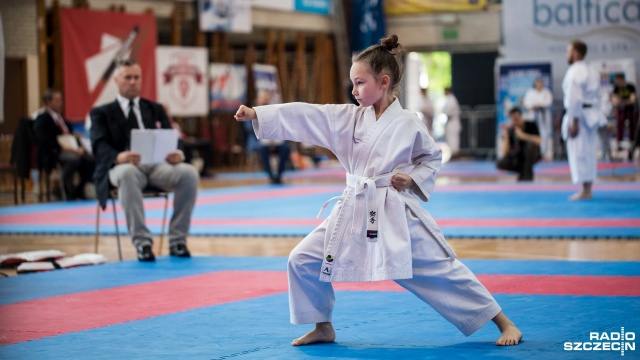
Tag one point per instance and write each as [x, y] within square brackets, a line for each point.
[605, 341]
[585, 12]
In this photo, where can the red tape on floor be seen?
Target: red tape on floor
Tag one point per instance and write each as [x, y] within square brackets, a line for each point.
[533, 285]
[35, 319]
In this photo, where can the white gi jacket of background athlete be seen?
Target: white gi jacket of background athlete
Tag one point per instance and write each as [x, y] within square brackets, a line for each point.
[581, 87]
[371, 151]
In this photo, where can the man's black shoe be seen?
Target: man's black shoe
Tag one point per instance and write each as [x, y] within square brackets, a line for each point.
[145, 253]
[179, 250]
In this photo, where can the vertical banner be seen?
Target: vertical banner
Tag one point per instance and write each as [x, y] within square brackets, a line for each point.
[92, 44]
[1, 72]
[182, 79]
[225, 15]
[514, 79]
[266, 79]
[228, 85]
[367, 24]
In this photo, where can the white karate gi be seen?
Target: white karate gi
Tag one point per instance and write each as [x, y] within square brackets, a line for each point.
[540, 98]
[454, 125]
[409, 248]
[581, 87]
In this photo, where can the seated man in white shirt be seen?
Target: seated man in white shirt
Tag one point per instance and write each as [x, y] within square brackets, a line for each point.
[118, 166]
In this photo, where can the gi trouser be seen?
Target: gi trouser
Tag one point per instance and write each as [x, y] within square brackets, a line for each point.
[130, 180]
[439, 280]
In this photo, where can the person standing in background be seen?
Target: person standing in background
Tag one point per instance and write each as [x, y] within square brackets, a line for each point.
[583, 116]
[625, 99]
[537, 103]
[454, 126]
[427, 110]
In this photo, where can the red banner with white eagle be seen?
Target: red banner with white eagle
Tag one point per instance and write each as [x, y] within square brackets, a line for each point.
[92, 43]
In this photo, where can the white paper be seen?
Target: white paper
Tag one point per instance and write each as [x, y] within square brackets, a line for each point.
[153, 145]
[68, 141]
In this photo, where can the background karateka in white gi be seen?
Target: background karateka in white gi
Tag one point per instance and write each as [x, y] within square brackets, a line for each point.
[377, 230]
[537, 103]
[583, 116]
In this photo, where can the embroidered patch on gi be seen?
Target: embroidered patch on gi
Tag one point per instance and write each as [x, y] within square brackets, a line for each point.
[326, 271]
[372, 217]
[329, 258]
[372, 234]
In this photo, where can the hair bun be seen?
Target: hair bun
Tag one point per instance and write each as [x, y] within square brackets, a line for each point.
[390, 42]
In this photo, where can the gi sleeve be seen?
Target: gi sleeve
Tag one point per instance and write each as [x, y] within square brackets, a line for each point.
[427, 160]
[300, 122]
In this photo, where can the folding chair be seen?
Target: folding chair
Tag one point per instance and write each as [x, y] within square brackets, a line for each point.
[146, 193]
[45, 177]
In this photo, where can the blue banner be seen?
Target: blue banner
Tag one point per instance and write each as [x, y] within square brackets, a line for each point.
[367, 23]
[314, 6]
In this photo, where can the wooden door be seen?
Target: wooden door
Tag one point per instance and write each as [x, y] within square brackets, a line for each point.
[15, 93]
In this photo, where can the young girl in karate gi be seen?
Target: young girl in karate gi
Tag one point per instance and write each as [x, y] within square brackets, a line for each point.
[377, 230]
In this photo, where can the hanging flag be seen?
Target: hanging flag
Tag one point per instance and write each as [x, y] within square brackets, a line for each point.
[1, 73]
[227, 86]
[367, 24]
[93, 42]
[181, 79]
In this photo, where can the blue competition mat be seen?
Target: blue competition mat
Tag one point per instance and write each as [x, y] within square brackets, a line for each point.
[369, 324]
[470, 210]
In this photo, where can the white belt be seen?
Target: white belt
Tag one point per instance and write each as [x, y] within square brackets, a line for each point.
[364, 189]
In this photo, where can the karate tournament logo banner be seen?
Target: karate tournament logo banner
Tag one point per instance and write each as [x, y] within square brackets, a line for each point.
[542, 29]
[181, 77]
[228, 85]
[92, 43]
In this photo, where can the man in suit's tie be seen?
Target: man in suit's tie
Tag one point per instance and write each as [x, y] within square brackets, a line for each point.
[117, 166]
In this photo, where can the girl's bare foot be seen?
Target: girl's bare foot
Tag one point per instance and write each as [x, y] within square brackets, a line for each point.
[510, 336]
[510, 333]
[323, 333]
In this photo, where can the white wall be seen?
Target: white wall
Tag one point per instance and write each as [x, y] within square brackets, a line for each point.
[479, 31]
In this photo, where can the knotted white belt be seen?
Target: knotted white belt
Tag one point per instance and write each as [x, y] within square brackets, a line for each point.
[364, 199]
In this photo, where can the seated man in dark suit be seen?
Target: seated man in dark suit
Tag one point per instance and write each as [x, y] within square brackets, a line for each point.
[48, 127]
[520, 146]
[111, 126]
